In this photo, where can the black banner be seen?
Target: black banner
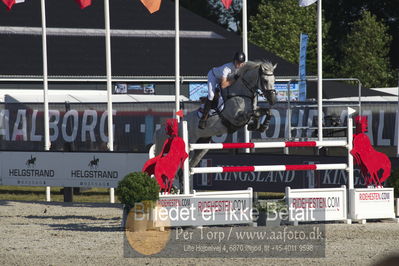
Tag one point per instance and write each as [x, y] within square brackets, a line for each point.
[83, 127]
[273, 181]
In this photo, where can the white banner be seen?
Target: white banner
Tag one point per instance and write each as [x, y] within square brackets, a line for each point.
[204, 208]
[68, 169]
[321, 204]
[371, 203]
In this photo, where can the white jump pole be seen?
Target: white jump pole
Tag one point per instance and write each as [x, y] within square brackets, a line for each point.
[177, 59]
[268, 168]
[109, 87]
[319, 71]
[186, 166]
[247, 134]
[47, 143]
[264, 145]
[245, 28]
[350, 111]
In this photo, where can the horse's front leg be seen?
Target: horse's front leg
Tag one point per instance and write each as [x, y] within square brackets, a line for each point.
[253, 123]
[268, 116]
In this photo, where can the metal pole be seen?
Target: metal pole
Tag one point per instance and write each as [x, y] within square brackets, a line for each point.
[245, 28]
[186, 168]
[286, 150]
[109, 86]
[247, 134]
[177, 59]
[47, 143]
[319, 71]
[351, 111]
[360, 98]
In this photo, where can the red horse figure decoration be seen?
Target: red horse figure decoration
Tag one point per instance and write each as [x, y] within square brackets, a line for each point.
[164, 166]
[374, 166]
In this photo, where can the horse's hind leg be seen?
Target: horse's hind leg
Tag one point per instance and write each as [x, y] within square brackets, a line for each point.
[180, 178]
[198, 155]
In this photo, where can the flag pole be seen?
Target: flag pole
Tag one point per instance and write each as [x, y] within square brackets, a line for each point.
[245, 28]
[319, 71]
[247, 134]
[397, 117]
[47, 143]
[109, 86]
[177, 60]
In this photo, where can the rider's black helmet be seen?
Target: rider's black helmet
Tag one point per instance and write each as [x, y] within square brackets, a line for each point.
[239, 57]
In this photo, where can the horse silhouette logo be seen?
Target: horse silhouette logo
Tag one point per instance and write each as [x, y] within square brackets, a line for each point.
[94, 163]
[31, 162]
[375, 166]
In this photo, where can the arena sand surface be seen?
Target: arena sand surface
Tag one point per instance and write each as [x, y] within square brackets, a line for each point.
[41, 233]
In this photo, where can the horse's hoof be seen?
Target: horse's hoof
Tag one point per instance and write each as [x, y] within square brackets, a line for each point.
[251, 126]
[263, 128]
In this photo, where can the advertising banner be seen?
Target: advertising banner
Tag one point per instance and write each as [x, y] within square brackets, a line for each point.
[68, 169]
[303, 44]
[204, 208]
[83, 127]
[198, 90]
[371, 203]
[282, 91]
[310, 205]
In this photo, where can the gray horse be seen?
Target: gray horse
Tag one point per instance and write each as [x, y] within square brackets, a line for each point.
[236, 108]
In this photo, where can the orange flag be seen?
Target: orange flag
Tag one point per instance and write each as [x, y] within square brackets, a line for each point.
[152, 5]
[180, 113]
[83, 3]
[227, 3]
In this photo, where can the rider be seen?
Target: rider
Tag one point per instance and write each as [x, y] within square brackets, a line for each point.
[224, 76]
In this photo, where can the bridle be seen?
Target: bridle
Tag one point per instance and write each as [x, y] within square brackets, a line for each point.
[257, 89]
[260, 82]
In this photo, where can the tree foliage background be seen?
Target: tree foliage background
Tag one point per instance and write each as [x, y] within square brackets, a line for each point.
[360, 37]
[365, 52]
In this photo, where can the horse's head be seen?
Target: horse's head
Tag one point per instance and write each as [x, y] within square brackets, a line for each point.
[258, 75]
[266, 81]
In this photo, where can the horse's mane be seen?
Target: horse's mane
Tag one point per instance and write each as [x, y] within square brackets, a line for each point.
[249, 65]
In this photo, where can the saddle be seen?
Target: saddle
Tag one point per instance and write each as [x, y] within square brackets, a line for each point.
[216, 106]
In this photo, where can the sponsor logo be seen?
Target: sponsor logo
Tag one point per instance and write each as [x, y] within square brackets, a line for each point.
[316, 203]
[93, 172]
[94, 163]
[31, 162]
[29, 171]
[375, 196]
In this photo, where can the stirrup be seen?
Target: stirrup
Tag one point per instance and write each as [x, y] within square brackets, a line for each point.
[202, 124]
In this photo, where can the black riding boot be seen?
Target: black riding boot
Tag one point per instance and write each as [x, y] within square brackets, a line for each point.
[205, 114]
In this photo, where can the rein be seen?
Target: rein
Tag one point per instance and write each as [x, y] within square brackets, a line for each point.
[259, 83]
[248, 86]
